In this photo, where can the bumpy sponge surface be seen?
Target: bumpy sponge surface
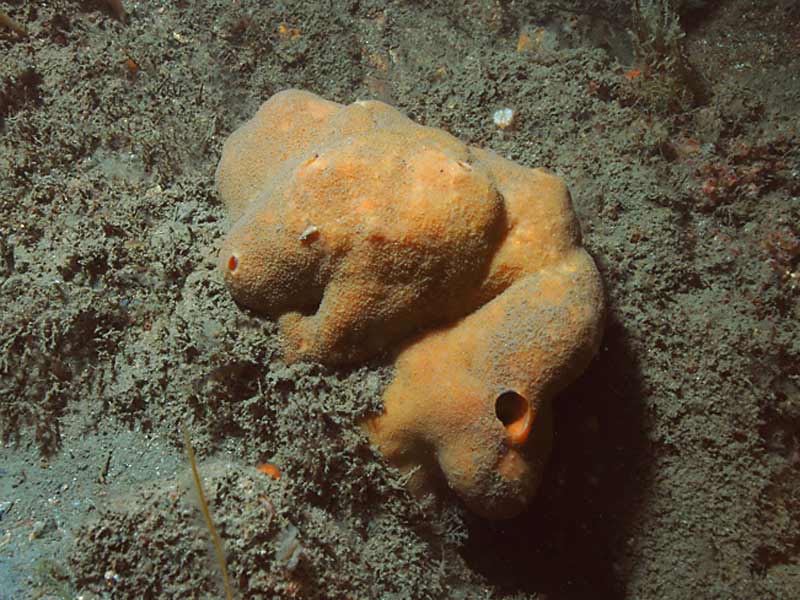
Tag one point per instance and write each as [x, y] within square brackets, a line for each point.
[362, 232]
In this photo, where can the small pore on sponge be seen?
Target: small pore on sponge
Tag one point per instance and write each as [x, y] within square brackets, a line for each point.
[233, 263]
[515, 413]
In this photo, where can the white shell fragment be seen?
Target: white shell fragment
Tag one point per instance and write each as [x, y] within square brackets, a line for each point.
[504, 117]
[310, 232]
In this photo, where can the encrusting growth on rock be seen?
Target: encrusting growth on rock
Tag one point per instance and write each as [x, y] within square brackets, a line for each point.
[362, 232]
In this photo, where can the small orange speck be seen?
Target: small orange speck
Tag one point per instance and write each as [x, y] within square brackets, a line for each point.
[632, 74]
[271, 470]
[133, 66]
[233, 263]
[367, 205]
[288, 33]
[524, 42]
[314, 157]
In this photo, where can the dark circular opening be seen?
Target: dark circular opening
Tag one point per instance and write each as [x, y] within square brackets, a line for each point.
[233, 263]
[511, 408]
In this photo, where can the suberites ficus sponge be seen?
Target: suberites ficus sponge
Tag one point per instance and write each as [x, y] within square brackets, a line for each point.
[363, 234]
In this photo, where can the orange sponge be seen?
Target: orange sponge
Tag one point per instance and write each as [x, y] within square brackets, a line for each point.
[362, 232]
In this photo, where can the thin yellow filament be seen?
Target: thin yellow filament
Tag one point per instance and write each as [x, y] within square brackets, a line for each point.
[207, 514]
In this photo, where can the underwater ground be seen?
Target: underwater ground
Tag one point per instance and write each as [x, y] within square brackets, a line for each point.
[676, 467]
